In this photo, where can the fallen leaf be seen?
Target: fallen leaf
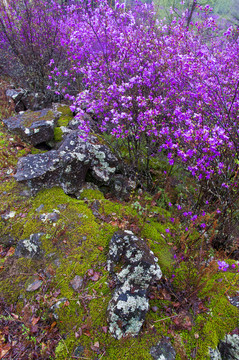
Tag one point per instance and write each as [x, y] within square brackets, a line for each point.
[95, 277]
[35, 320]
[4, 350]
[100, 248]
[10, 252]
[53, 324]
[87, 333]
[90, 272]
[15, 316]
[105, 329]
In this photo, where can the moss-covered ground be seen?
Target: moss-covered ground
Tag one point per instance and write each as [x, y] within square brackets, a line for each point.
[190, 305]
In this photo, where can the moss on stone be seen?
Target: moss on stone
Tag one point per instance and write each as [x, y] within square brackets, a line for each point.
[90, 194]
[65, 110]
[58, 134]
[29, 117]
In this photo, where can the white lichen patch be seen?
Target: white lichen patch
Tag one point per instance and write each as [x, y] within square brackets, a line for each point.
[68, 169]
[9, 215]
[31, 247]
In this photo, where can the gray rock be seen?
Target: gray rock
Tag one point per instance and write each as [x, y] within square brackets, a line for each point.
[129, 303]
[34, 127]
[57, 306]
[234, 300]
[7, 240]
[229, 347]
[25, 99]
[67, 167]
[122, 187]
[34, 285]
[163, 350]
[214, 354]
[77, 282]
[78, 352]
[30, 248]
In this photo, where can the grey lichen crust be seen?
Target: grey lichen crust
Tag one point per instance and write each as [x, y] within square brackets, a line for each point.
[139, 269]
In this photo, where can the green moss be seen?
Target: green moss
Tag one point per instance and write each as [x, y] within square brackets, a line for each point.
[155, 234]
[91, 195]
[29, 117]
[65, 110]
[66, 115]
[58, 134]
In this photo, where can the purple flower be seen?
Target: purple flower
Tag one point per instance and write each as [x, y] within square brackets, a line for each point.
[222, 265]
[167, 230]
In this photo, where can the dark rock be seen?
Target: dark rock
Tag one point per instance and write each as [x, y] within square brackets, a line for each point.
[78, 352]
[139, 269]
[30, 248]
[34, 127]
[7, 240]
[234, 300]
[101, 160]
[163, 350]
[122, 187]
[67, 166]
[229, 347]
[27, 100]
[52, 217]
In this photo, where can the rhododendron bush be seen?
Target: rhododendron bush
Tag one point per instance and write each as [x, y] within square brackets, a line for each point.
[29, 38]
[166, 88]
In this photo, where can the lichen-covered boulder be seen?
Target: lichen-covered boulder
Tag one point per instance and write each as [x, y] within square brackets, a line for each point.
[52, 168]
[30, 248]
[34, 127]
[138, 270]
[67, 167]
[101, 160]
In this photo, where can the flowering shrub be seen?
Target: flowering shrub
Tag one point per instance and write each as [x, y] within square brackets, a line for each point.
[29, 38]
[164, 87]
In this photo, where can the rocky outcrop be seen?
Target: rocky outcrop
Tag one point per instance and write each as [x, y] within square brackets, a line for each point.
[34, 127]
[28, 100]
[138, 270]
[67, 167]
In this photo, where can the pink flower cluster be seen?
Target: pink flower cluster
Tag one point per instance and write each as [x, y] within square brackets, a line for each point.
[170, 87]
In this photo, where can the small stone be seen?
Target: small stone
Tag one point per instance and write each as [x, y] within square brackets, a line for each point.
[76, 283]
[36, 284]
[79, 350]
[154, 309]
[163, 350]
[30, 248]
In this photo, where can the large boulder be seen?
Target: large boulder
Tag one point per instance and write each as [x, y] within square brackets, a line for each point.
[67, 167]
[138, 270]
[34, 127]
